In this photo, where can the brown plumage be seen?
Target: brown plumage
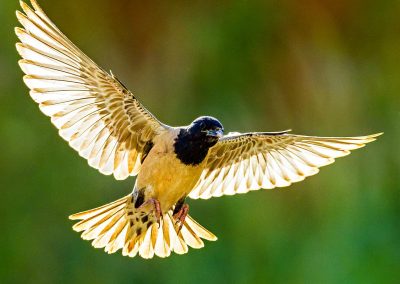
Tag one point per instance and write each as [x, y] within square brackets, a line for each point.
[102, 120]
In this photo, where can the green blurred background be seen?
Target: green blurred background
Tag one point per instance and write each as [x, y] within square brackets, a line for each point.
[319, 67]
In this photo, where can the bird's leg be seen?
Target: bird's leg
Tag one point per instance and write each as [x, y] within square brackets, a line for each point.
[138, 197]
[156, 207]
[180, 212]
[178, 206]
[181, 216]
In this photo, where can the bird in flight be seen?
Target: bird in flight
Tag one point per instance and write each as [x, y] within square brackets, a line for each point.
[107, 125]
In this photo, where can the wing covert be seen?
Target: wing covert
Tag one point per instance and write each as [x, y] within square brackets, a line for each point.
[93, 111]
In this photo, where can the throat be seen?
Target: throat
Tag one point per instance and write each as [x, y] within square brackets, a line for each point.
[190, 150]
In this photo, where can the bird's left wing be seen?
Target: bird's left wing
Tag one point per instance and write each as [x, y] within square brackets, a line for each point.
[92, 109]
[242, 162]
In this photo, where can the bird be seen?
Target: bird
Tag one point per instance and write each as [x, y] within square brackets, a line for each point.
[107, 125]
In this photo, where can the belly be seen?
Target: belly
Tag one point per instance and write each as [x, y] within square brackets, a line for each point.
[166, 179]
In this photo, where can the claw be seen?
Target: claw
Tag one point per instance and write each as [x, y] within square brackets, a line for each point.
[180, 216]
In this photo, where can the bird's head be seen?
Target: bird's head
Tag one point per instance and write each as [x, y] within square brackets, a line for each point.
[207, 129]
[194, 141]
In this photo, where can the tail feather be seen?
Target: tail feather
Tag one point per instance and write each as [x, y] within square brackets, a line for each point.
[90, 217]
[118, 225]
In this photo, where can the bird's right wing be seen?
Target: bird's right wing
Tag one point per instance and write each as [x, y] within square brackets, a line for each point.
[92, 109]
[242, 162]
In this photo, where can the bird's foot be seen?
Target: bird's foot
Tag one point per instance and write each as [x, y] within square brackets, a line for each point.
[180, 216]
[156, 207]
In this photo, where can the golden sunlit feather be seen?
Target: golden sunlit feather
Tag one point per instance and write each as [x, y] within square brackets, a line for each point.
[271, 161]
[110, 227]
[93, 111]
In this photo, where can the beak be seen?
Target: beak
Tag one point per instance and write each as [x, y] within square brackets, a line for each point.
[215, 133]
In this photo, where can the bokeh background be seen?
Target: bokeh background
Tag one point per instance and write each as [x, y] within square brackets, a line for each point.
[319, 67]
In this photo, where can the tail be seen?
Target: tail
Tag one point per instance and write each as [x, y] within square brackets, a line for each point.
[118, 225]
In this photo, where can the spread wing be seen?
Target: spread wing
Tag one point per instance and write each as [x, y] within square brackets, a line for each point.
[242, 162]
[93, 111]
